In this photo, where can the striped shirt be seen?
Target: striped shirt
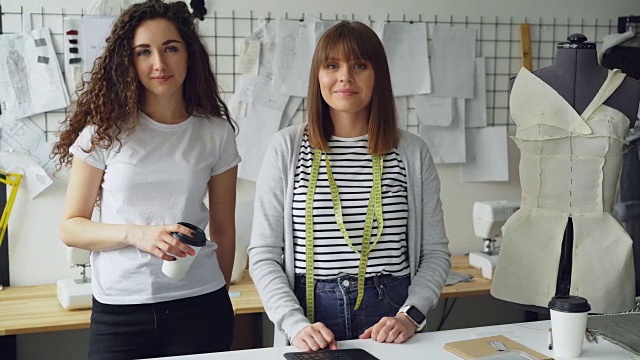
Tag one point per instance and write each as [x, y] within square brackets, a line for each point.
[351, 165]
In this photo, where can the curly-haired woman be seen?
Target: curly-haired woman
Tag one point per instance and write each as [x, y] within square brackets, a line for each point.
[149, 136]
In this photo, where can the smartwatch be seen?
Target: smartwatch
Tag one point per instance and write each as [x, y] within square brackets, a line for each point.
[416, 316]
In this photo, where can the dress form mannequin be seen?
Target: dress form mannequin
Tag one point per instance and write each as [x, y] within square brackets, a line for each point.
[622, 51]
[576, 77]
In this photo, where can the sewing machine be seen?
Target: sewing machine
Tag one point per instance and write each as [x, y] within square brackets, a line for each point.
[488, 218]
[76, 293]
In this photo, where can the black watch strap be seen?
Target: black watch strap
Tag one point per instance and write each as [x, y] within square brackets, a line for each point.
[415, 314]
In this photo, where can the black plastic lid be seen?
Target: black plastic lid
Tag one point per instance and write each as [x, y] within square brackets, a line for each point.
[199, 239]
[576, 41]
[569, 304]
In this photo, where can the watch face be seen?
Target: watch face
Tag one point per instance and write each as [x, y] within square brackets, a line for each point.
[416, 315]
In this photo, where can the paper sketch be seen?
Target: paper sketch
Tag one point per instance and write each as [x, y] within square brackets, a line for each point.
[73, 67]
[109, 7]
[487, 156]
[434, 110]
[86, 36]
[266, 35]
[251, 89]
[453, 61]
[290, 111]
[401, 110]
[253, 139]
[26, 137]
[17, 67]
[447, 143]
[410, 74]
[30, 77]
[477, 107]
[295, 43]
[93, 35]
[249, 57]
[35, 178]
[322, 26]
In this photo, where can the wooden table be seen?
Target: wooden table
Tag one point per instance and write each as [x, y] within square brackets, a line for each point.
[478, 286]
[33, 309]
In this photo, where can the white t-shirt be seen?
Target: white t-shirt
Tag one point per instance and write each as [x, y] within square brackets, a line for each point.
[158, 176]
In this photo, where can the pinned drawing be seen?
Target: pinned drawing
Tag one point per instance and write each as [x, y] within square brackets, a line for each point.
[295, 42]
[17, 68]
[30, 77]
[25, 136]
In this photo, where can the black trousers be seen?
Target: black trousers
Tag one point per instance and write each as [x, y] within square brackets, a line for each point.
[195, 325]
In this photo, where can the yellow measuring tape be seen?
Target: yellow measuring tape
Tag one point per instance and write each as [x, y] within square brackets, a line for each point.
[374, 209]
[12, 180]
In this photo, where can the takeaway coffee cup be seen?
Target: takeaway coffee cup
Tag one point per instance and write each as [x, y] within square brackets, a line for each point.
[568, 324]
[178, 268]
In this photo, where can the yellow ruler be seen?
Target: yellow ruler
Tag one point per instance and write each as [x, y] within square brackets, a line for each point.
[12, 180]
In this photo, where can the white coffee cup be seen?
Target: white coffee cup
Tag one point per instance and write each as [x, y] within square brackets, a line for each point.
[178, 268]
[568, 324]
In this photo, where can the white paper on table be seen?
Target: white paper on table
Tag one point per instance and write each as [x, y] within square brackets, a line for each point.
[249, 57]
[487, 155]
[476, 108]
[30, 77]
[408, 56]
[434, 110]
[35, 180]
[290, 111]
[453, 61]
[256, 131]
[25, 136]
[295, 43]
[92, 38]
[402, 111]
[447, 143]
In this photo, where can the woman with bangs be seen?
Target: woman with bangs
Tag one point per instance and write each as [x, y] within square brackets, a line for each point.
[348, 238]
[148, 139]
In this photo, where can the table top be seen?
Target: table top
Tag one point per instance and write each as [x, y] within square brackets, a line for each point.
[477, 286]
[33, 309]
[531, 334]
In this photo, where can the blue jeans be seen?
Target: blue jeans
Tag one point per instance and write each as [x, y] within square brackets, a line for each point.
[336, 298]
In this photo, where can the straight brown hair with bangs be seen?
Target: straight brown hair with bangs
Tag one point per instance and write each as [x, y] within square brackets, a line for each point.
[353, 40]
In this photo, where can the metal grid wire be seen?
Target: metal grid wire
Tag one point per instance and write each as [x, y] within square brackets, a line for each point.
[498, 41]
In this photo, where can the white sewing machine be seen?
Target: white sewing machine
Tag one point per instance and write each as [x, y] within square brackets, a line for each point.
[76, 293]
[488, 218]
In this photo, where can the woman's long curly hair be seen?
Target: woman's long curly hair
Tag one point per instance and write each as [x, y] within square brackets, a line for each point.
[113, 95]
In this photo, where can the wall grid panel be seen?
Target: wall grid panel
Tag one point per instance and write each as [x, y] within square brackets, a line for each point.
[498, 41]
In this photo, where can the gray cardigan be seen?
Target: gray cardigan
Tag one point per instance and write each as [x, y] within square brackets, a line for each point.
[271, 263]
